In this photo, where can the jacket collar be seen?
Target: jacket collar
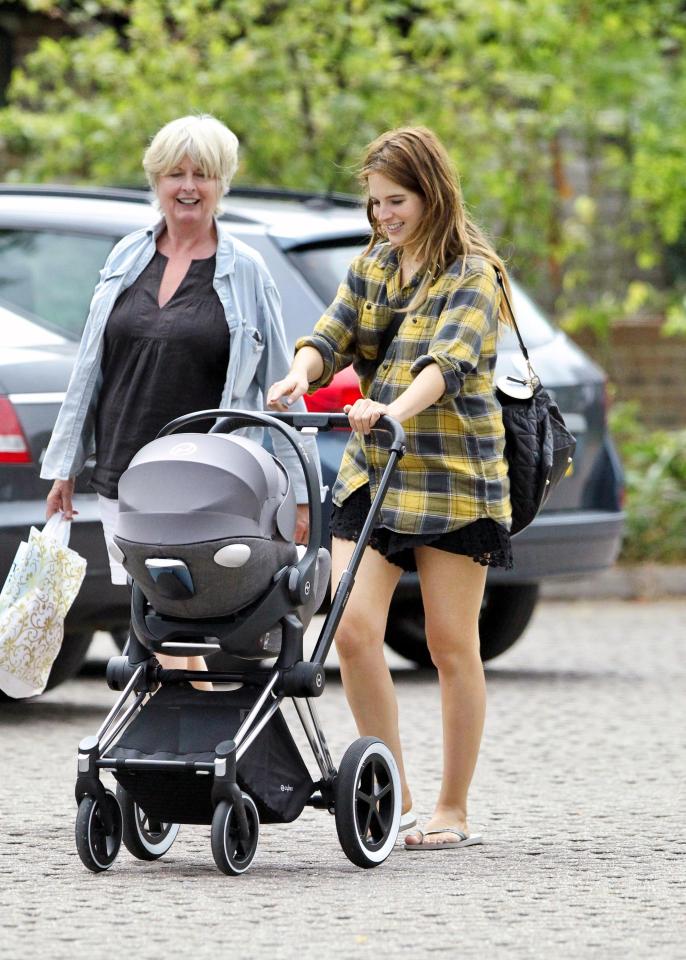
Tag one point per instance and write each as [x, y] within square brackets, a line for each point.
[226, 248]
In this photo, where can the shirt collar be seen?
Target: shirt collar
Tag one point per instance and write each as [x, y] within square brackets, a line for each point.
[389, 260]
[226, 248]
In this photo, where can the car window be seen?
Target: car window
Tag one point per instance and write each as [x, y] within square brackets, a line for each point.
[533, 325]
[18, 331]
[325, 265]
[51, 275]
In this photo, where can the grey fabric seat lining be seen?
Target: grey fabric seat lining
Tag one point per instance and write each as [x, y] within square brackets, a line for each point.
[219, 591]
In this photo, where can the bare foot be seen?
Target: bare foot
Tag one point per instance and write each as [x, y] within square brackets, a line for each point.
[455, 820]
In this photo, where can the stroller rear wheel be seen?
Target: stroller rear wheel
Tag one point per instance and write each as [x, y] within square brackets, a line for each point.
[98, 849]
[367, 802]
[144, 837]
[231, 853]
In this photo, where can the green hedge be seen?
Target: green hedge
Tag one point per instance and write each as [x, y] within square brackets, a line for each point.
[655, 467]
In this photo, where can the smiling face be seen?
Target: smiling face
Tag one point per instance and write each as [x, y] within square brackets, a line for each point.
[186, 196]
[397, 210]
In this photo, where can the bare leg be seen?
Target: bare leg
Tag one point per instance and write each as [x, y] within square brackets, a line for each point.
[359, 640]
[452, 590]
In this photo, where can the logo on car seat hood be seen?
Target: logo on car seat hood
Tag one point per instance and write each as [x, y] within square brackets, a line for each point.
[183, 449]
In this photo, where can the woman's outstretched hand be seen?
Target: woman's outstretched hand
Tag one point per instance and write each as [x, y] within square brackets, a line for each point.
[60, 498]
[364, 413]
[283, 394]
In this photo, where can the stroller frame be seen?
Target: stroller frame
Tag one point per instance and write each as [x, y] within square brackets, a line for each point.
[367, 824]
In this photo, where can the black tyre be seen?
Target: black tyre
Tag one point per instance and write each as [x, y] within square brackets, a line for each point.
[367, 802]
[505, 614]
[70, 658]
[233, 855]
[98, 849]
[144, 837]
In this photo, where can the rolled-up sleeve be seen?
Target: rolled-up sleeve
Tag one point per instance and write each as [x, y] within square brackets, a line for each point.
[334, 335]
[470, 313]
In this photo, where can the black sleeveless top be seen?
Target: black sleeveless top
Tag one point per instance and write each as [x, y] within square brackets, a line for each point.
[158, 363]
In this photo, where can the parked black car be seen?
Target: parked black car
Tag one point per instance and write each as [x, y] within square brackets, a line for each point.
[53, 240]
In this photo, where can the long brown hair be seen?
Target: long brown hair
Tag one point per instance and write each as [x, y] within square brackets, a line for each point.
[416, 159]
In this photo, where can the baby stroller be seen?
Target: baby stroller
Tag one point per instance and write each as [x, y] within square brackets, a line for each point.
[205, 532]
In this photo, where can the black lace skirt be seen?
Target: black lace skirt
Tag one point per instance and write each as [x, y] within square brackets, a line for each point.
[485, 541]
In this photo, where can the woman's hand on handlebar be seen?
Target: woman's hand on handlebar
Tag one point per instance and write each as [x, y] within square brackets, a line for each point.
[364, 414]
[60, 498]
[284, 393]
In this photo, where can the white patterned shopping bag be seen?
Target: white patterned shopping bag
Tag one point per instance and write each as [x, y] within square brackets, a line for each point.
[42, 584]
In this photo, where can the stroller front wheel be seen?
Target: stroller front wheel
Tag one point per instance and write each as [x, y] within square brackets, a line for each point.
[98, 849]
[144, 837]
[367, 802]
[231, 853]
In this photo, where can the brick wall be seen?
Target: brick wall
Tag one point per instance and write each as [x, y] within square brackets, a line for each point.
[645, 367]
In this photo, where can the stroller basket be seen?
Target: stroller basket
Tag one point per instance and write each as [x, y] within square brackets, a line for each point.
[184, 724]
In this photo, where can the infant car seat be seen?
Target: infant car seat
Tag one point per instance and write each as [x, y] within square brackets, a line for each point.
[206, 521]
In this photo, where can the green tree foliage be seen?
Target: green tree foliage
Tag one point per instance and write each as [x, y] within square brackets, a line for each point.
[566, 118]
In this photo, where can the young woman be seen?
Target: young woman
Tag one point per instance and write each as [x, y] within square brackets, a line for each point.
[429, 267]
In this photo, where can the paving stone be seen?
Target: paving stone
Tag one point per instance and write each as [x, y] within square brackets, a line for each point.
[577, 792]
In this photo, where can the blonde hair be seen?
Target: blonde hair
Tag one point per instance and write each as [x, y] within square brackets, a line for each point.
[203, 138]
[416, 159]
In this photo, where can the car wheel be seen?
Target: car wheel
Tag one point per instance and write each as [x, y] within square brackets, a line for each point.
[70, 658]
[505, 613]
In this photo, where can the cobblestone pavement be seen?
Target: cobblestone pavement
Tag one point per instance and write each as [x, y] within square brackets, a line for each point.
[579, 793]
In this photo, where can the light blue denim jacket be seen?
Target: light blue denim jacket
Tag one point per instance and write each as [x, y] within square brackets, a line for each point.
[258, 352]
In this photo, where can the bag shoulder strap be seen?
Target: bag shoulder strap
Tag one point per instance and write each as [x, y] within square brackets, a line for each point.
[522, 346]
[512, 315]
[386, 340]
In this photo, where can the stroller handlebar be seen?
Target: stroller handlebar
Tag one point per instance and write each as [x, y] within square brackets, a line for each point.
[236, 419]
[332, 421]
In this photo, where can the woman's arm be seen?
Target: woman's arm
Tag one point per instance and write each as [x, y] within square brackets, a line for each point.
[470, 315]
[330, 348]
[307, 366]
[427, 387]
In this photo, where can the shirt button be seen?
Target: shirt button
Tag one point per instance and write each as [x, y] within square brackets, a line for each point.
[368, 306]
[385, 365]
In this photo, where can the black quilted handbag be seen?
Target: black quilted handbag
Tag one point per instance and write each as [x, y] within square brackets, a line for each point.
[538, 446]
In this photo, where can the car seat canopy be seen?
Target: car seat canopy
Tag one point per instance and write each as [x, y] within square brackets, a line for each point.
[184, 488]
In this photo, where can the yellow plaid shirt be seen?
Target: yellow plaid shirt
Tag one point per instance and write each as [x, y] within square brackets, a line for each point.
[454, 471]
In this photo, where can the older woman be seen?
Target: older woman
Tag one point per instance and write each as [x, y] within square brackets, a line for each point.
[184, 318]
